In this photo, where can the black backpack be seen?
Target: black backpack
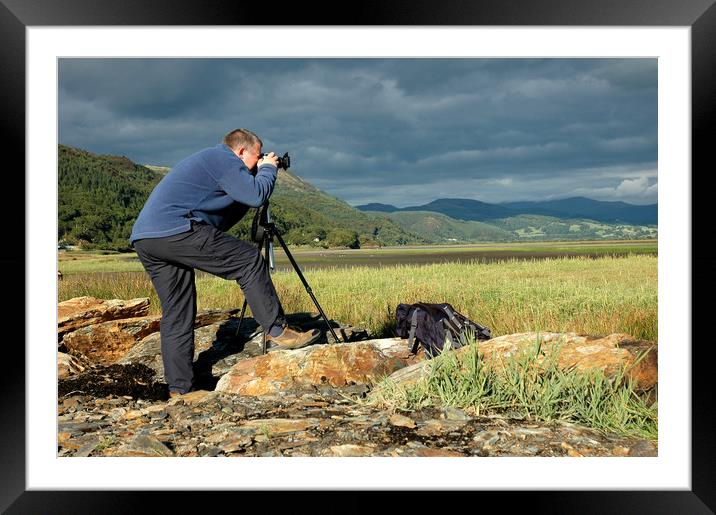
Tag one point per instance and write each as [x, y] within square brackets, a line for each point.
[435, 325]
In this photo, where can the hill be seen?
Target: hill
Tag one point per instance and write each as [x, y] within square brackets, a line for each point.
[100, 196]
[464, 209]
[581, 207]
[443, 229]
[385, 208]
[569, 208]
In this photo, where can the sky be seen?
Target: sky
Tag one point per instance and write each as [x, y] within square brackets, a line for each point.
[395, 131]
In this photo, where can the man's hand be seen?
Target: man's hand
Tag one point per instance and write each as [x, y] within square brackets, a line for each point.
[271, 158]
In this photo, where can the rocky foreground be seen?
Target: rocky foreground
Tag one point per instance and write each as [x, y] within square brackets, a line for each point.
[308, 402]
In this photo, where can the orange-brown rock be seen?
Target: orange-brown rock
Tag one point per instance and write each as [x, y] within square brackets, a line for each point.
[83, 311]
[335, 364]
[279, 426]
[68, 365]
[609, 354]
[107, 342]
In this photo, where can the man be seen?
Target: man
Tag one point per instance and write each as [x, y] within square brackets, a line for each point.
[182, 227]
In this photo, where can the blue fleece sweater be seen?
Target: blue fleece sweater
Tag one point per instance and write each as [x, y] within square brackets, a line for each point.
[213, 185]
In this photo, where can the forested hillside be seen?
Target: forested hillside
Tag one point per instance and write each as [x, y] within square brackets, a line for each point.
[100, 196]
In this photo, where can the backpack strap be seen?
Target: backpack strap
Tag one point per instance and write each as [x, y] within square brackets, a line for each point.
[453, 318]
[411, 335]
[449, 341]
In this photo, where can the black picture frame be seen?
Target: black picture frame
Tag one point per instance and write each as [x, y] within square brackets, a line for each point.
[699, 15]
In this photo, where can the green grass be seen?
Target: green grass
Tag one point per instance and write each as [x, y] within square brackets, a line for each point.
[531, 386]
[583, 295]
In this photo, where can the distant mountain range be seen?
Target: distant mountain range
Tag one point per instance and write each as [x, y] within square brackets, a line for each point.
[569, 208]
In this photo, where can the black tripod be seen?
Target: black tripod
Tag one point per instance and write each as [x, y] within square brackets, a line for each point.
[263, 231]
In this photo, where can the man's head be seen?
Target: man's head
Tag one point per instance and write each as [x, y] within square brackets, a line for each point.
[245, 144]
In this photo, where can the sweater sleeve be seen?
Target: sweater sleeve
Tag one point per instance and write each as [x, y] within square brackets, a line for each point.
[248, 189]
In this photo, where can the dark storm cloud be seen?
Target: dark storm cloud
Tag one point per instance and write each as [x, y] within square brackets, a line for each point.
[399, 131]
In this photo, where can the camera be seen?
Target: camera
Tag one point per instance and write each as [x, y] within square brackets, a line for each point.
[283, 162]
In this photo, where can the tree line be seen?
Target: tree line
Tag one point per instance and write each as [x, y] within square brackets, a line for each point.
[100, 197]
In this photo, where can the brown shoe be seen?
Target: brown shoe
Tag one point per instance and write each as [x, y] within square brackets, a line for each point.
[292, 339]
[173, 394]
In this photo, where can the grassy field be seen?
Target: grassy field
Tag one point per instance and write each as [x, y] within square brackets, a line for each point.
[584, 295]
[73, 262]
[613, 293]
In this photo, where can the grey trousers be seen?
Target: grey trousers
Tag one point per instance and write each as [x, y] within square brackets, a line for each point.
[170, 262]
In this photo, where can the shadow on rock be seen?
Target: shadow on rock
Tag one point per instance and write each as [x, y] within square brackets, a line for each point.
[229, 347]
[134, 380]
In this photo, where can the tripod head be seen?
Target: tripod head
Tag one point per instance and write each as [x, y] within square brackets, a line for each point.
[262, 218]
[262, 228]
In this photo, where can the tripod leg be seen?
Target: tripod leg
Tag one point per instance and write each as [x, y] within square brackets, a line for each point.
[305, 283]
[241, 319]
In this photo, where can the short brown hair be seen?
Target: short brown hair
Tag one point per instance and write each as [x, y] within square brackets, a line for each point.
[242, 138]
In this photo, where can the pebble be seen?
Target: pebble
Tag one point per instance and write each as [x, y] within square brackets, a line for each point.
[437, 427]
[144, 445]
[452, 413]
[401, 421]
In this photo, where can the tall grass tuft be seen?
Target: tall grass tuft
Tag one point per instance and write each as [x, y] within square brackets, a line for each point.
[531, 386]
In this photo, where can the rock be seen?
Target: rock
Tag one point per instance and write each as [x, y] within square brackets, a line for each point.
[106, 342]
[214, 354]
[429, 452]
[83, 311]
[398, 348]
[573, 351]
[144, 445]
[336, 365]
[571, 451]
[190, 398]
[452, 413]
[68, 365]
[146, 352]
[72, 402]
[412, 373]
[401, 421]
[133, 414]
[279, 426]
[436, 427]
[235, 443]
[309, 425]
[620, 451]
[582, 352]
[643, 448]
[349, 450]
